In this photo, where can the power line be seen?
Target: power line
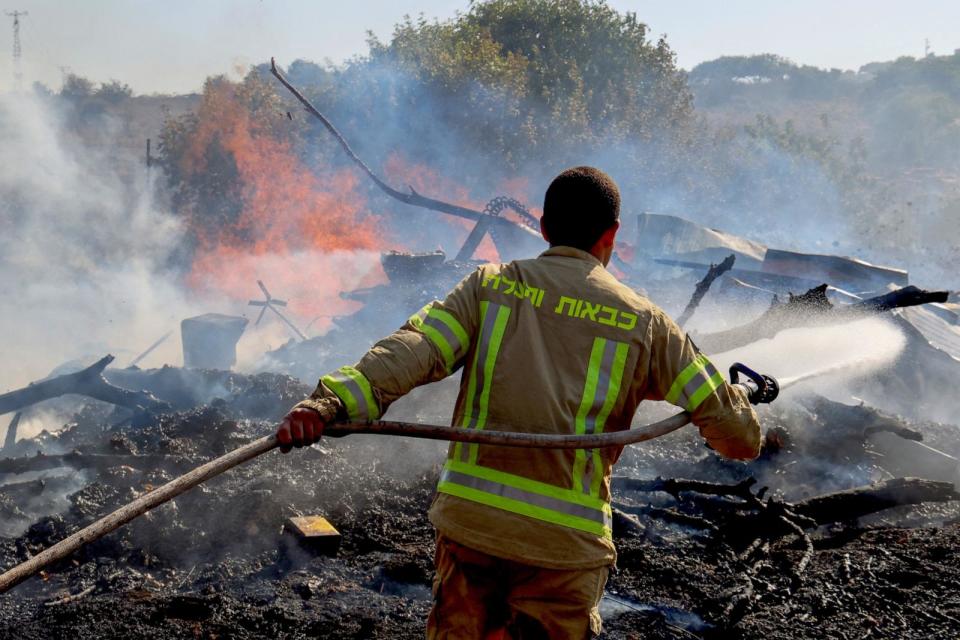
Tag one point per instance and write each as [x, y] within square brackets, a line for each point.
[17, 72]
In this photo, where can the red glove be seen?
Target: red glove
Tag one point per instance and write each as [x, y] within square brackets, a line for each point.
[300, 428]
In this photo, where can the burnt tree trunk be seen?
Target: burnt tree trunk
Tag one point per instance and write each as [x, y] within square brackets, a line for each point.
[855, 503]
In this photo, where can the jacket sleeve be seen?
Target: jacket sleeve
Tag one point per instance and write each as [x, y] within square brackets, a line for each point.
[431, 345]
[684, 377]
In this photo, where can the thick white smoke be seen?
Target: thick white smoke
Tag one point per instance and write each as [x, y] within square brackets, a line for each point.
[88, 255]
[83, 246]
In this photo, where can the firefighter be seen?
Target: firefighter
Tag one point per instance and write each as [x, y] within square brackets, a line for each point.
[554, 344]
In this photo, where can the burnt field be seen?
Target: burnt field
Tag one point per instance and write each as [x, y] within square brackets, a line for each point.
[769, 549]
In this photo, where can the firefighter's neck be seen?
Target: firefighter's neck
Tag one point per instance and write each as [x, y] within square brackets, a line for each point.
[602, 250]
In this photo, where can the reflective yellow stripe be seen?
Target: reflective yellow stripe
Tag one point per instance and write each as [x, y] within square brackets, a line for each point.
[489, 362]
[527, 484]
[518, 506]
[452, 323]
[586, 401]
[704, 390]
[355, 391]
[444, 331]
[445, 350]
[493, 324]
[613, 392]
[600, 392]
[694, 384]
[524, 496]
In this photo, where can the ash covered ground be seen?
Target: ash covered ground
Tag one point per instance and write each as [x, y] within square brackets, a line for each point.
[216, 564]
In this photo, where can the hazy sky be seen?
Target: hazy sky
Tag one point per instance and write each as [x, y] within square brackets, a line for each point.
[172, 45]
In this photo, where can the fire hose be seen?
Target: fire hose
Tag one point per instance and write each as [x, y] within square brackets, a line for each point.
[760, 388]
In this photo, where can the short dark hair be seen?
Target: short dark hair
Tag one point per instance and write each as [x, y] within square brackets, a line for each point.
[580, 204]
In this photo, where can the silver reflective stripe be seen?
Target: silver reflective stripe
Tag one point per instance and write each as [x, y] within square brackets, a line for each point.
[599, 398]
[483, 350]
[455, 345]
[528, 497]
[701, 378]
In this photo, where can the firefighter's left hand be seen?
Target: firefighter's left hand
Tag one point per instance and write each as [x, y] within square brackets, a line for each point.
[300, 428]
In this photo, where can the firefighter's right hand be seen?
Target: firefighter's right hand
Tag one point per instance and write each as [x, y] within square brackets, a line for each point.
[300, 428]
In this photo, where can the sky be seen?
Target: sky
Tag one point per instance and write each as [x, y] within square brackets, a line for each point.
[172, 46]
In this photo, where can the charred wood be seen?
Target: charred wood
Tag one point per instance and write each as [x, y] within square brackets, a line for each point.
[906, 297]
[11, 438]
[851, 504]
[88, 382]
[714, 272]
[862, 432]
[804, 560]
[97, 461]
[810, 309]
[771, 519]
[675, 486]
[625, 524]
[669, 515]
[73, 597]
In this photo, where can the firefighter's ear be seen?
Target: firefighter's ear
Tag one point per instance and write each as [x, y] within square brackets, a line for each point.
[543, 230]
[603, 248]
[609, 236]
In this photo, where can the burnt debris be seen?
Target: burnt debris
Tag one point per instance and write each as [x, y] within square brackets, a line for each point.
[718, 548]
[844, 527]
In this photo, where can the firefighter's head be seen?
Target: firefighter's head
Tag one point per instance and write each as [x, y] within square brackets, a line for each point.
[582, 209]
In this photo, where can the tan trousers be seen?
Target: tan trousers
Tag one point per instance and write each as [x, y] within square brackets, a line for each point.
[482, 597]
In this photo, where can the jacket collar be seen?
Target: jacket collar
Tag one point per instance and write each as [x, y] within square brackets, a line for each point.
[571, 252]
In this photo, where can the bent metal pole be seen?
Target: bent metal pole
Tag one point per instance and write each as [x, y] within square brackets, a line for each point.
[249, 451]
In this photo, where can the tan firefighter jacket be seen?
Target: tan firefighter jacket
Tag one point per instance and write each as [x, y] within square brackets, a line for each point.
[550, 345]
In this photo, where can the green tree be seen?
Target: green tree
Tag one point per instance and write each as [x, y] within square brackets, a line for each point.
[113, 92]
[527, 78]
[76, 88]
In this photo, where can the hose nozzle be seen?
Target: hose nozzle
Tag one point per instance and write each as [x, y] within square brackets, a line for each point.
[761, 389]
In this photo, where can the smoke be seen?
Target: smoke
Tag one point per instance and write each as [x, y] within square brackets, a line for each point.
[96, 262]
[83, 250]
[93, 261]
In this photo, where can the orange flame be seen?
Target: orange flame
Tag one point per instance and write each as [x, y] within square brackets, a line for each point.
[308, 234]
[288, 210]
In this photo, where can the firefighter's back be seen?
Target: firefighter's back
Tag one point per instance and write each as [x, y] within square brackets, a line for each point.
[561, 347]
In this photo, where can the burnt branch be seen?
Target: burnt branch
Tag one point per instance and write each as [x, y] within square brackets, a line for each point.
[842, 506]
[906, 297]
[675, 486]
[771, 519]
[714, 272]
[669, 515]
[811, 309]
[88, 382]
[97, 461]
[413, 198]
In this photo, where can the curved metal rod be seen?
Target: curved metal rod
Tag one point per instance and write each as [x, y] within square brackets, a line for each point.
[413, 198]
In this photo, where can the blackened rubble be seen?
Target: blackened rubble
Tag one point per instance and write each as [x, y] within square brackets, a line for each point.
[215, 562]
